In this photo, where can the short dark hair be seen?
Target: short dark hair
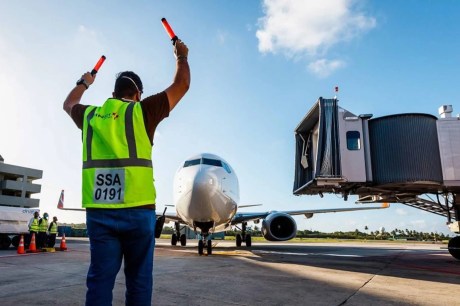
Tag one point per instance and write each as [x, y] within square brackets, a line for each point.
[127, 84]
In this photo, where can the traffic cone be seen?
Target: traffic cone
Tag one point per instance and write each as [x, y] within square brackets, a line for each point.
[63, 246]
[21, 249]
[33, 246]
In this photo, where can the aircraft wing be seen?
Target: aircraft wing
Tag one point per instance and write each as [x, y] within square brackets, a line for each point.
[244, 217]
[172, 217]
[169, 217]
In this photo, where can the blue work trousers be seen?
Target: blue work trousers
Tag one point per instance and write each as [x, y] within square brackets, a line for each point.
[115, 234]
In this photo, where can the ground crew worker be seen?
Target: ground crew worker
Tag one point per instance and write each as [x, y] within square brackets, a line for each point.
[33, 226]
[42, 229]
[52, 230]
[118, 190]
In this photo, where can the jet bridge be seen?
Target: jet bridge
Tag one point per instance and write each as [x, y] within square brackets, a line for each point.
[413, 159]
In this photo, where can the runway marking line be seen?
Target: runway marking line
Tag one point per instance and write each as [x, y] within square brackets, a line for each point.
[28, 254]
[308, 254]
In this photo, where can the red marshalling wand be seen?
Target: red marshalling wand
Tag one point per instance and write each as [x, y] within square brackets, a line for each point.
[95, 69]
[98, 65]
[169, 30]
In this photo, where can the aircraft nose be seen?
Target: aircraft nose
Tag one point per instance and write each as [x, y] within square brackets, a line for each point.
[203, 181]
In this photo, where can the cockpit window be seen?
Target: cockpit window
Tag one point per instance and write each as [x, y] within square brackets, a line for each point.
[211, 162]
[206, 161]
[192, 162]
[226, 167]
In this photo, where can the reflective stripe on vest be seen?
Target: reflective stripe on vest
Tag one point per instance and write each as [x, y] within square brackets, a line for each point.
[34, 225]
[54, 227]
[117, 164]
[43, 226]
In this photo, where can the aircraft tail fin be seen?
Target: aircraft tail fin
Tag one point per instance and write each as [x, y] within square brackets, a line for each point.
[61, 201]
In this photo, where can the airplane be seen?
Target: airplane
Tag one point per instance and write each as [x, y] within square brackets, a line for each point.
[206, 197]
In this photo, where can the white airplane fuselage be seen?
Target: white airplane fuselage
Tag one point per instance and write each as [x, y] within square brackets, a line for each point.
[206, 193]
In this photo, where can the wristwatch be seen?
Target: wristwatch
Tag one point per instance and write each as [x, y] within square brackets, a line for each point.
[83, 82]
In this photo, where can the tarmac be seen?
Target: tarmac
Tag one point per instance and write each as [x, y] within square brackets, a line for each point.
[344, 273]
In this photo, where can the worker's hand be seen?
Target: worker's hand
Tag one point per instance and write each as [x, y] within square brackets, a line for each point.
[180, 49]
[89, 78]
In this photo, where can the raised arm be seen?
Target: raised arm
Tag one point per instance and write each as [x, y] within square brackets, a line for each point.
[76, 93]
[181, 82]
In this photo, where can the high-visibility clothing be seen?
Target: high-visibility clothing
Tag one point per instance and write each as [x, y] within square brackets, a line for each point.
[53, 229]
[117, 157]
[42, 225]
[34, 225]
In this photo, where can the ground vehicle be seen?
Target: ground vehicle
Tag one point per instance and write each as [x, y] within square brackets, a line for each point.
[16, 205]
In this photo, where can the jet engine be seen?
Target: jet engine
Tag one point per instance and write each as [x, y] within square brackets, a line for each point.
[279, 227]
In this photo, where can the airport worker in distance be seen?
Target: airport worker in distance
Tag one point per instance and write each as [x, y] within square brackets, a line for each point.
[42, 229]
[33, 226]
[118, 187]
[52, 230]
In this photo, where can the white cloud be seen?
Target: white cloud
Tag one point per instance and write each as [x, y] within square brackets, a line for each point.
[221, 37]
[310, 28]
[323, 67]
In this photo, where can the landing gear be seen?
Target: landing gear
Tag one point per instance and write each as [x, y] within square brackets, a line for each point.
[454, 247]
[204, 241]
[173, 239]
[177, 236]
[200, 247]
[248, 240]
[183, 240]
[246, 237]
[238, 240]
[209, 247]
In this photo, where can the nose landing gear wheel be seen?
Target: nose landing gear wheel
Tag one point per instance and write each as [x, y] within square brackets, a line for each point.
[209, 247]
[200, 247]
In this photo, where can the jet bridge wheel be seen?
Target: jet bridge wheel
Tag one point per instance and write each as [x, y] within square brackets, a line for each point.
[209, 247]
[238, 240]
[454, 247]
[248, 240]
[173, 239]
[200, 247]
[183, 240]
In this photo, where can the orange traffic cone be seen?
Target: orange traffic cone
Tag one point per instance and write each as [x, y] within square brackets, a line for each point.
[33, 246]
[21, 249]
[63, 246]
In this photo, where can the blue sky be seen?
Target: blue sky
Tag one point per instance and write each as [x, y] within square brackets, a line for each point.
[257, 68]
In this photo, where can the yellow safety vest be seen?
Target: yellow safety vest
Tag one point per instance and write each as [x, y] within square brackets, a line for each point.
[34, 225]
[117, 157]
[43, 226]
[54, 227]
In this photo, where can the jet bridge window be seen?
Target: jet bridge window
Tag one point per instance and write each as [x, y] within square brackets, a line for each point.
[192, 162]
[211, 162]
[353, 140]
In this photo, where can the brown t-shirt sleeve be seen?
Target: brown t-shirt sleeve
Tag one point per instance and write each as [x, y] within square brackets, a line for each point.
[155, 108]
[77, 113]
